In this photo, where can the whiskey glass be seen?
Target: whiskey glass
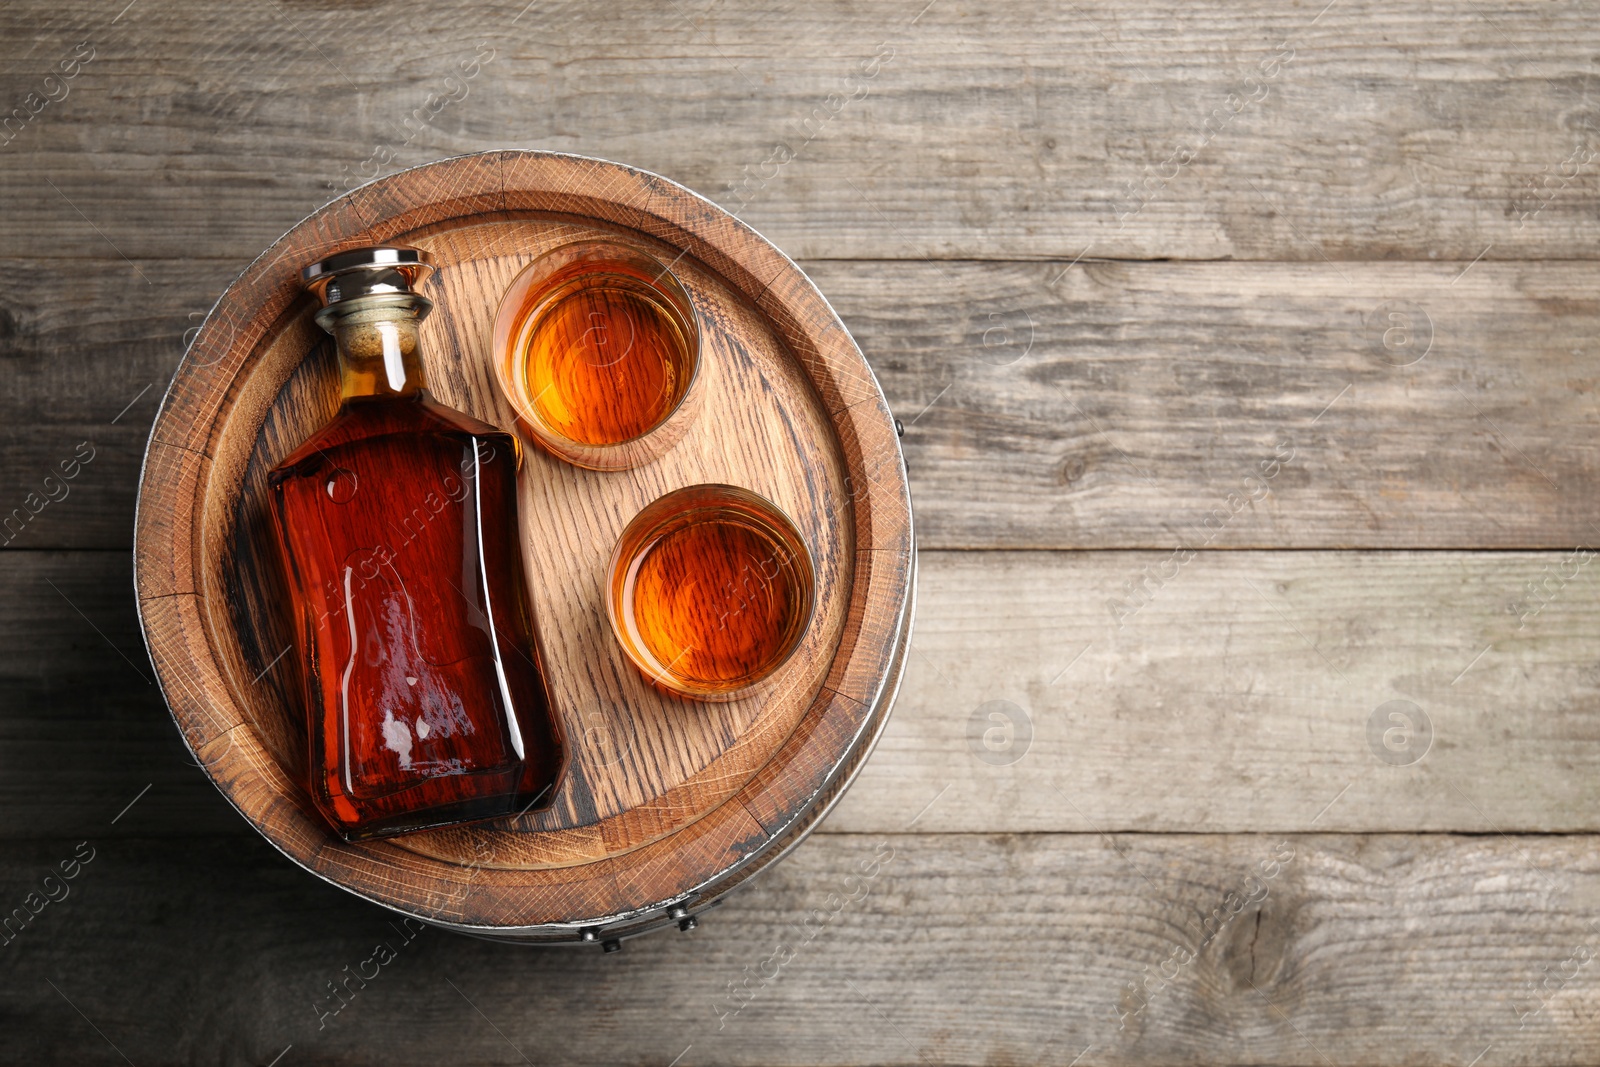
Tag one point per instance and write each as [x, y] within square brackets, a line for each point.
[709, 591]
[597, 348]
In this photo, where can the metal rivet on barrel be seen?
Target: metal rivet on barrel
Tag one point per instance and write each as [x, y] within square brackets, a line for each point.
[613, 945]
[681, 916]
[589, 934]
[899, 428]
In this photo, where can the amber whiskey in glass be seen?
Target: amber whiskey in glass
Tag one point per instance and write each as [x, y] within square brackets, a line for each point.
[426, 701]
[710, 590]
[598, 350]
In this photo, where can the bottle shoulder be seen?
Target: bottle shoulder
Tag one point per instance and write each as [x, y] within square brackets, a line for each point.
[363, 419]
[456, 419]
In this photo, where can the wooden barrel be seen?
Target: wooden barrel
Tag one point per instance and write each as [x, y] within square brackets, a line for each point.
[667, 803]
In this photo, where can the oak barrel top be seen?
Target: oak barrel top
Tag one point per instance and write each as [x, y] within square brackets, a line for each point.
[662, 795]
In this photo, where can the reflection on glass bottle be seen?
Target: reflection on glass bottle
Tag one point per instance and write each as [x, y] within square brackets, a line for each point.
[426, 700]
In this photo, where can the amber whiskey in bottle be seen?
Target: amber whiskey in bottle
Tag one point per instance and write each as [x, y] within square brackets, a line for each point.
[426, 702]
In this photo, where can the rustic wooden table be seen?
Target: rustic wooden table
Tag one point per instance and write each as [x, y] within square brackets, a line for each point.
[1244, 358]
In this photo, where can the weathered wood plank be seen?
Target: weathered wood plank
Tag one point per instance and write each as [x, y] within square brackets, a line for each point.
[883, 949]
[88, 349]
[83, 728]
[1200, 131]
[1238, 698]
[1133, 405]
[1117, 407]
[1244, 691]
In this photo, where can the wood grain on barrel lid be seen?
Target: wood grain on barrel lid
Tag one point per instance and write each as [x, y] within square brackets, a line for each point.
[663, 795]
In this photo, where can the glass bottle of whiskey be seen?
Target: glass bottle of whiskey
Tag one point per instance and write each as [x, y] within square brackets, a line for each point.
[426, 701]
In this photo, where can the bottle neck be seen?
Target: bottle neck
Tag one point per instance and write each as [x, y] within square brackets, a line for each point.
[379, 352]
